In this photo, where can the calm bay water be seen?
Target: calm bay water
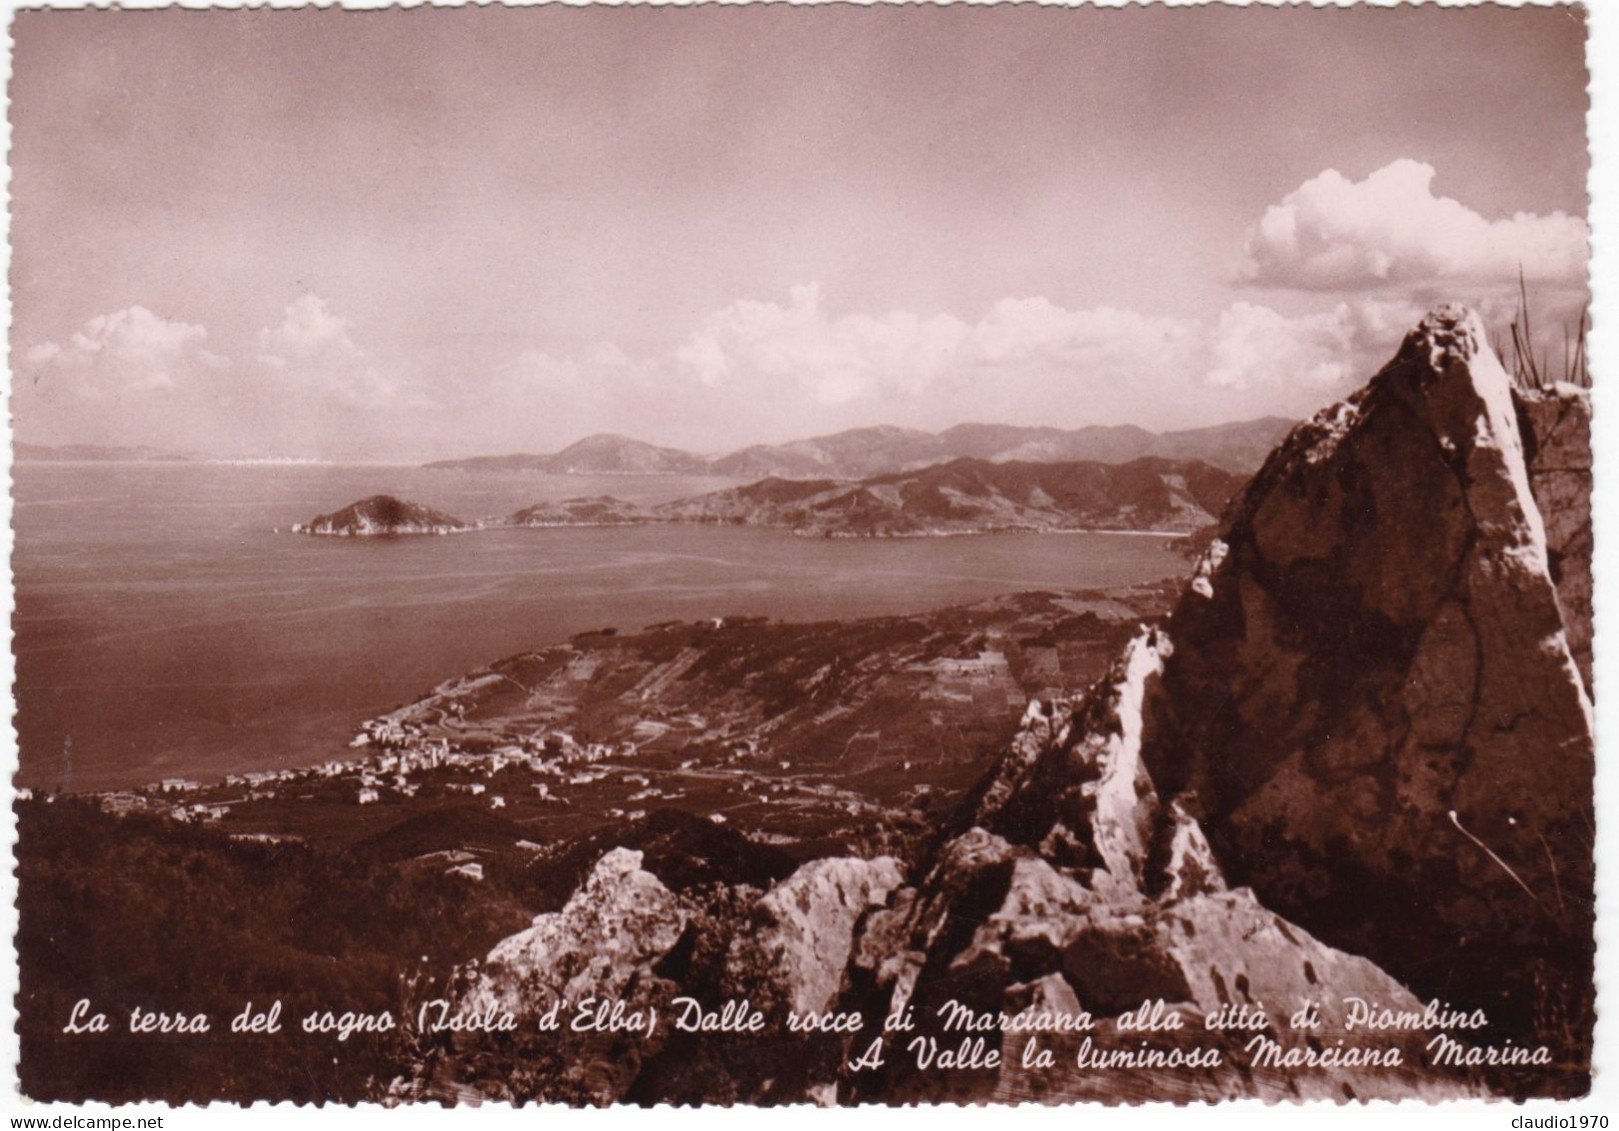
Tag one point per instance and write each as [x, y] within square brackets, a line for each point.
[163, 628]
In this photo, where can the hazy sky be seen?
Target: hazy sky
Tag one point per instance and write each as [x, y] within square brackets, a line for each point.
[407, 234]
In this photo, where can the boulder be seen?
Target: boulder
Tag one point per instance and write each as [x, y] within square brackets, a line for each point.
[621, 939]
[795, 950]
[604, 943]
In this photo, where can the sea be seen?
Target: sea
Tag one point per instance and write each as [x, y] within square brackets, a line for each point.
[168, 624]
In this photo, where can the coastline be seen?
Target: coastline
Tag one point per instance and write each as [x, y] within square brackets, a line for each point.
[797, 532]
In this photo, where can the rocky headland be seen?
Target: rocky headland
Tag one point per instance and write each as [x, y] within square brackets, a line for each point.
[975, 496]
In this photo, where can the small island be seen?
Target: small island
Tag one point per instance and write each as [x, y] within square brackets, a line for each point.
[382, 515]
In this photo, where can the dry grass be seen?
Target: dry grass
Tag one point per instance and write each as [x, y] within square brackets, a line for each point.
[1536, 373]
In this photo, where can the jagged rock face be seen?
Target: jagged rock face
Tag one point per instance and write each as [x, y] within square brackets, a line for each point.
[1092, 895]
[1556, 426]
[616, 939]
[1371, 690]
[794, 953]
[998, 929]
[625, 936]
[1078, 790]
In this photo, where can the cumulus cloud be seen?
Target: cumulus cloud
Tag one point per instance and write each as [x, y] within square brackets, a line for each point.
[838, 361]
[128, 377]
[755, 371]
[833, 361]
[1313, 355]
[312, 348]
[1029, 360]
[135, 377]
[1254, 344]
[129, 352]
[1332, 233]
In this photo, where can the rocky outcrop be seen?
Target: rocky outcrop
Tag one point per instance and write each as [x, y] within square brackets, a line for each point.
[1077, 789]
[605, 942]
[625, 937]
[1372, 690]
[1364, 711]
[382, 515]
[793, 953]
[617, 946]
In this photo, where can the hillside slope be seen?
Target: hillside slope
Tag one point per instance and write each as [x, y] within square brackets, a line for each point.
[971, 495]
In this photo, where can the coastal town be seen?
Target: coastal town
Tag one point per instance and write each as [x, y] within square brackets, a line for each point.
[844, 733]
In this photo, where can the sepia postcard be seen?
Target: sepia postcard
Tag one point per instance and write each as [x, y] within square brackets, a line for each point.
[817, 554]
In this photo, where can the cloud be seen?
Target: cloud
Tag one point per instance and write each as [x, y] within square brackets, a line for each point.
[1025, 360]
[1254, 345]
[129, 353]
[1332, 233]
[134, 377]
[860, 358]
[833, 361]
[754, 371]
[312, 349]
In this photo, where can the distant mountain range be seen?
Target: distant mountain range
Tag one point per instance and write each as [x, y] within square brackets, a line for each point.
[963, 496]
[853, 454]
[860, 452]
